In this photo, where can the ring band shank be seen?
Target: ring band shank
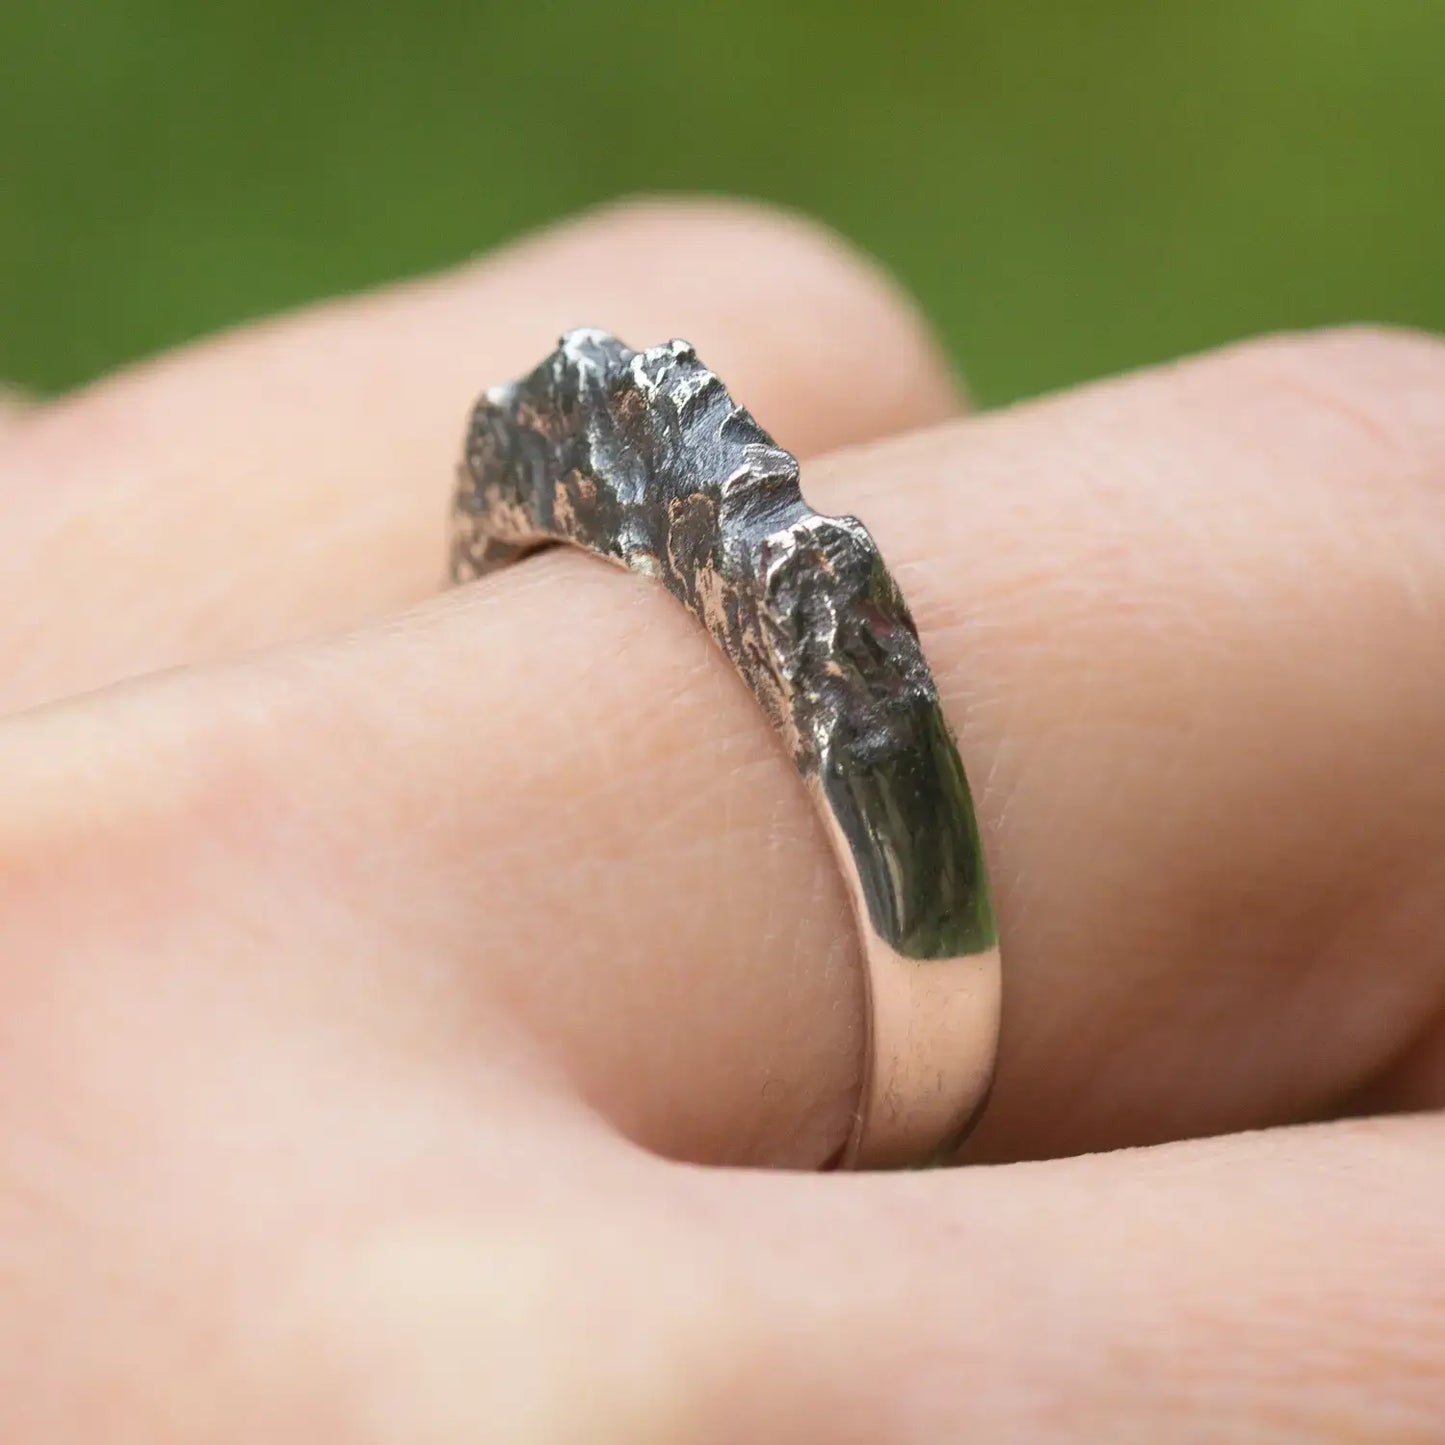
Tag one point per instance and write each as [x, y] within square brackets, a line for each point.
[643, 459]
[932, 1039]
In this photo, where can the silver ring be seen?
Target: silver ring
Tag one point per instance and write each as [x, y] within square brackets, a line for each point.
[645, 460]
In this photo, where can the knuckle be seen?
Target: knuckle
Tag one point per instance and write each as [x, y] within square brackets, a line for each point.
[754, 239]
[1370, 397]
[1402, 354]
[786, 266]
[1361, 354]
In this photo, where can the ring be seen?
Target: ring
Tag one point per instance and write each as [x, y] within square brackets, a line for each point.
[643, 458]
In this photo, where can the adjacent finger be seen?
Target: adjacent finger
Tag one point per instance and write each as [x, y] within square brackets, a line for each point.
[1186, 625]
[1286, 1286]
[293, 476]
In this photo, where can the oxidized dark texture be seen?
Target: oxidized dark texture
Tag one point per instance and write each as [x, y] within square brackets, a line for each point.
[643, 458]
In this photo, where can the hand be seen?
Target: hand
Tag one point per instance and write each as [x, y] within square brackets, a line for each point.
[364, 981]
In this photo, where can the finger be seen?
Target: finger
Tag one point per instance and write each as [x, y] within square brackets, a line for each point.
[1186, 625]
[182, 1133]
[1283, 1287]
[1286, 1286]
[293, 476]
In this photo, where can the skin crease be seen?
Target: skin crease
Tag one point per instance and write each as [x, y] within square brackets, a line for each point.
[355, 995]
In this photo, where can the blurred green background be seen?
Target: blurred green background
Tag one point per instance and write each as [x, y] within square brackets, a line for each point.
[1071, 187]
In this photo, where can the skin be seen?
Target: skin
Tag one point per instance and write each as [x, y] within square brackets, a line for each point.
[373, 980]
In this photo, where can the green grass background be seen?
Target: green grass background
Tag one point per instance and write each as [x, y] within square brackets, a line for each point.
[1071, 187]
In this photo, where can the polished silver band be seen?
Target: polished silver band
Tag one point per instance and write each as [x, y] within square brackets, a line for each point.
[643, 459]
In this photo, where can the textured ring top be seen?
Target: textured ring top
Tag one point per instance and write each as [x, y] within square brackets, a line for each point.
[645, 460]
